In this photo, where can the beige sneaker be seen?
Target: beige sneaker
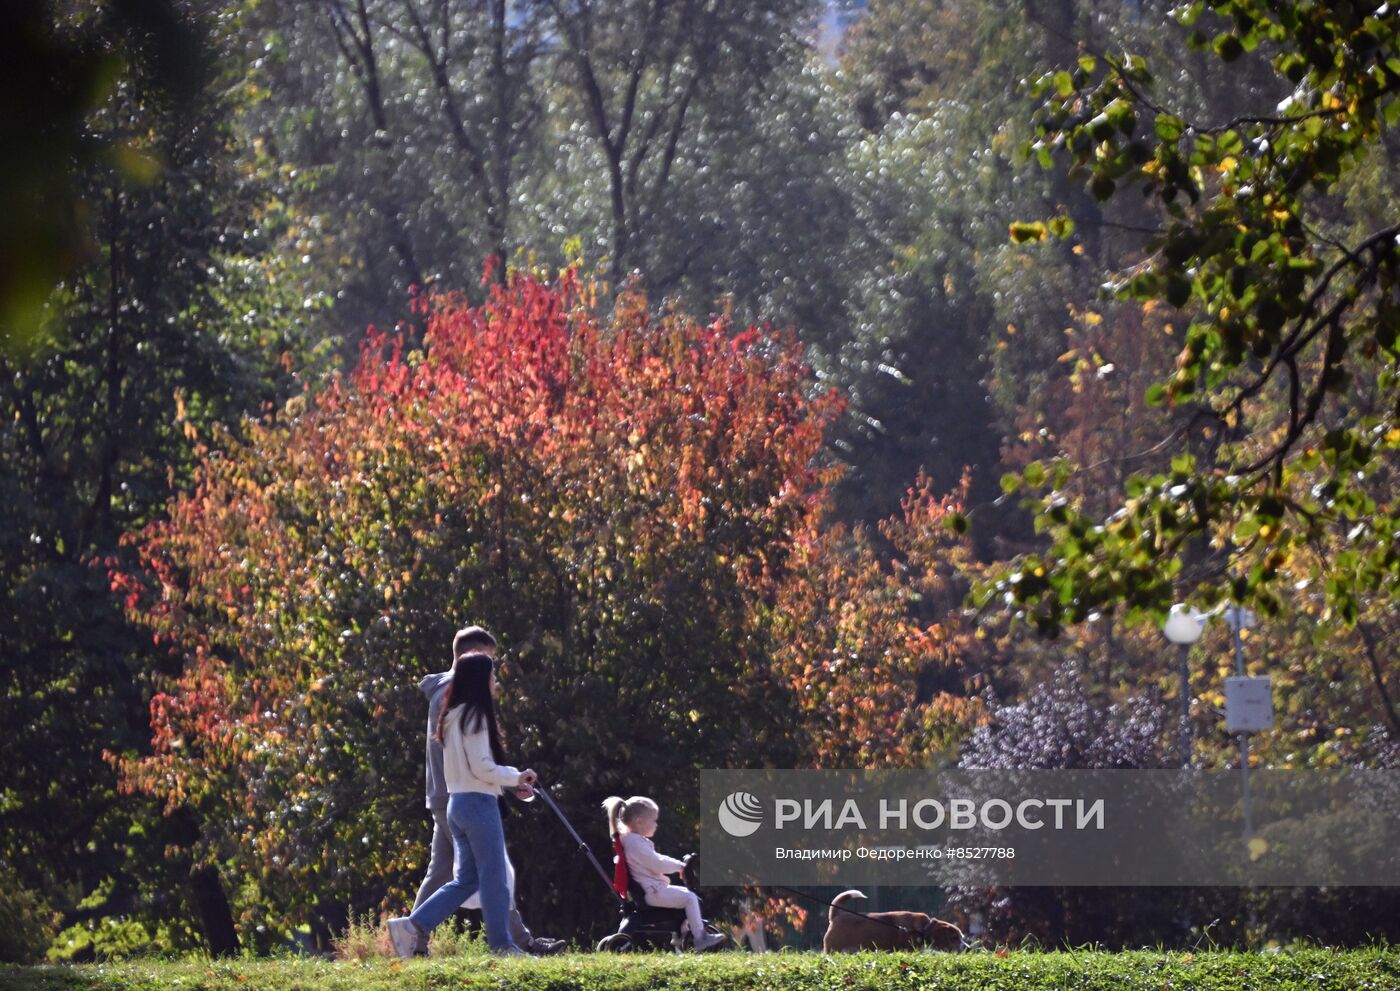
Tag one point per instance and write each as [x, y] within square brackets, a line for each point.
[404, 935]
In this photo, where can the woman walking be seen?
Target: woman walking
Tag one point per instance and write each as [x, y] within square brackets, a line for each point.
[474, 768]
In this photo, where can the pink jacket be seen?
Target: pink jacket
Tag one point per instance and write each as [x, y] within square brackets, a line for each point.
[647, 867]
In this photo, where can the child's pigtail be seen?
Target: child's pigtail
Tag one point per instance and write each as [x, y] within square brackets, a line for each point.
[614, 807]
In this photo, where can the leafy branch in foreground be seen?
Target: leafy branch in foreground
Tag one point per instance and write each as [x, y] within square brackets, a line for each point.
[1287, 377]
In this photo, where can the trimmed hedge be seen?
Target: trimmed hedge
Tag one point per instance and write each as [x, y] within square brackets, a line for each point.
[1308, 969]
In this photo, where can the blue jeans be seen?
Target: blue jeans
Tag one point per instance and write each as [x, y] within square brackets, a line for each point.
[480, 846]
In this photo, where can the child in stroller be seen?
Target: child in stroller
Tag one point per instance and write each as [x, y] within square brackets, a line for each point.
[660, 913]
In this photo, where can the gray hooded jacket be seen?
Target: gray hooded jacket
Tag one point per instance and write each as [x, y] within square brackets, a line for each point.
[434, 686]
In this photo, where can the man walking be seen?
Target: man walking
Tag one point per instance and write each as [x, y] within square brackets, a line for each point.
[471, 639]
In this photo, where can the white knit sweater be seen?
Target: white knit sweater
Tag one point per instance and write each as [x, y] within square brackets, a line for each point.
[466, 759]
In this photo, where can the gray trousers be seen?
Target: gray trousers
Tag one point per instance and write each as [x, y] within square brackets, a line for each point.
[440, 870]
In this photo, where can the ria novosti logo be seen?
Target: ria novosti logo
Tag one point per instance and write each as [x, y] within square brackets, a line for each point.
[741, 814]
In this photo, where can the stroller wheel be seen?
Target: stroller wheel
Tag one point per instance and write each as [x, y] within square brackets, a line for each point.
[616, 943]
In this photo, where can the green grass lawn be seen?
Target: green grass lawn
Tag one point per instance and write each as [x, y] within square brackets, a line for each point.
[1372, 969]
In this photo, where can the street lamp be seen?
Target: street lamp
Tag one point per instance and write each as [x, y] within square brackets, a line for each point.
[1184, 627]
[1247, 699]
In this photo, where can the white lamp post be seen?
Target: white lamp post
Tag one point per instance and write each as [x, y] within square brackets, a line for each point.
[1184, 627]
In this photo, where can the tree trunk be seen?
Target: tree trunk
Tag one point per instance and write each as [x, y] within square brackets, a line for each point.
[215, 916]
[206, 889]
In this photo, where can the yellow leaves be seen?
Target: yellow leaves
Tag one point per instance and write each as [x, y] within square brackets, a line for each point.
[1258, 846]
[1228, 164]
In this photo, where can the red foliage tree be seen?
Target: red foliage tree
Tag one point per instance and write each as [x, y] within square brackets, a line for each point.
[633, 503]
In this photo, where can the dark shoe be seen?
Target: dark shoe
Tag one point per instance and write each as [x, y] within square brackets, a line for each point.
[543, 946]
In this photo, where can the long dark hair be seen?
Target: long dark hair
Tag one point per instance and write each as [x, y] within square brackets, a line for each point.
[470, 688]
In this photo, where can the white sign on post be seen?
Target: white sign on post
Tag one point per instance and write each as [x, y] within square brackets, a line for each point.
[1249, 704]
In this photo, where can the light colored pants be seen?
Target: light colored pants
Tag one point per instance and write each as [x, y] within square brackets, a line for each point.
[440, 868]
[679, 896]
[479, 844]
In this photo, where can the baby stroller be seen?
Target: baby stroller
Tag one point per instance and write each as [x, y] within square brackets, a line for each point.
[643, 926]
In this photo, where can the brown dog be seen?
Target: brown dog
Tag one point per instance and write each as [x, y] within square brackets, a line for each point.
[884, 930]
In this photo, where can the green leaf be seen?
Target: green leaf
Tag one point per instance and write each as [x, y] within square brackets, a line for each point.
[1023, 233]
[1228, 47]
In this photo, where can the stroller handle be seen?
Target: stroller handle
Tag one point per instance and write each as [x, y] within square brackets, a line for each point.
[543, 792]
